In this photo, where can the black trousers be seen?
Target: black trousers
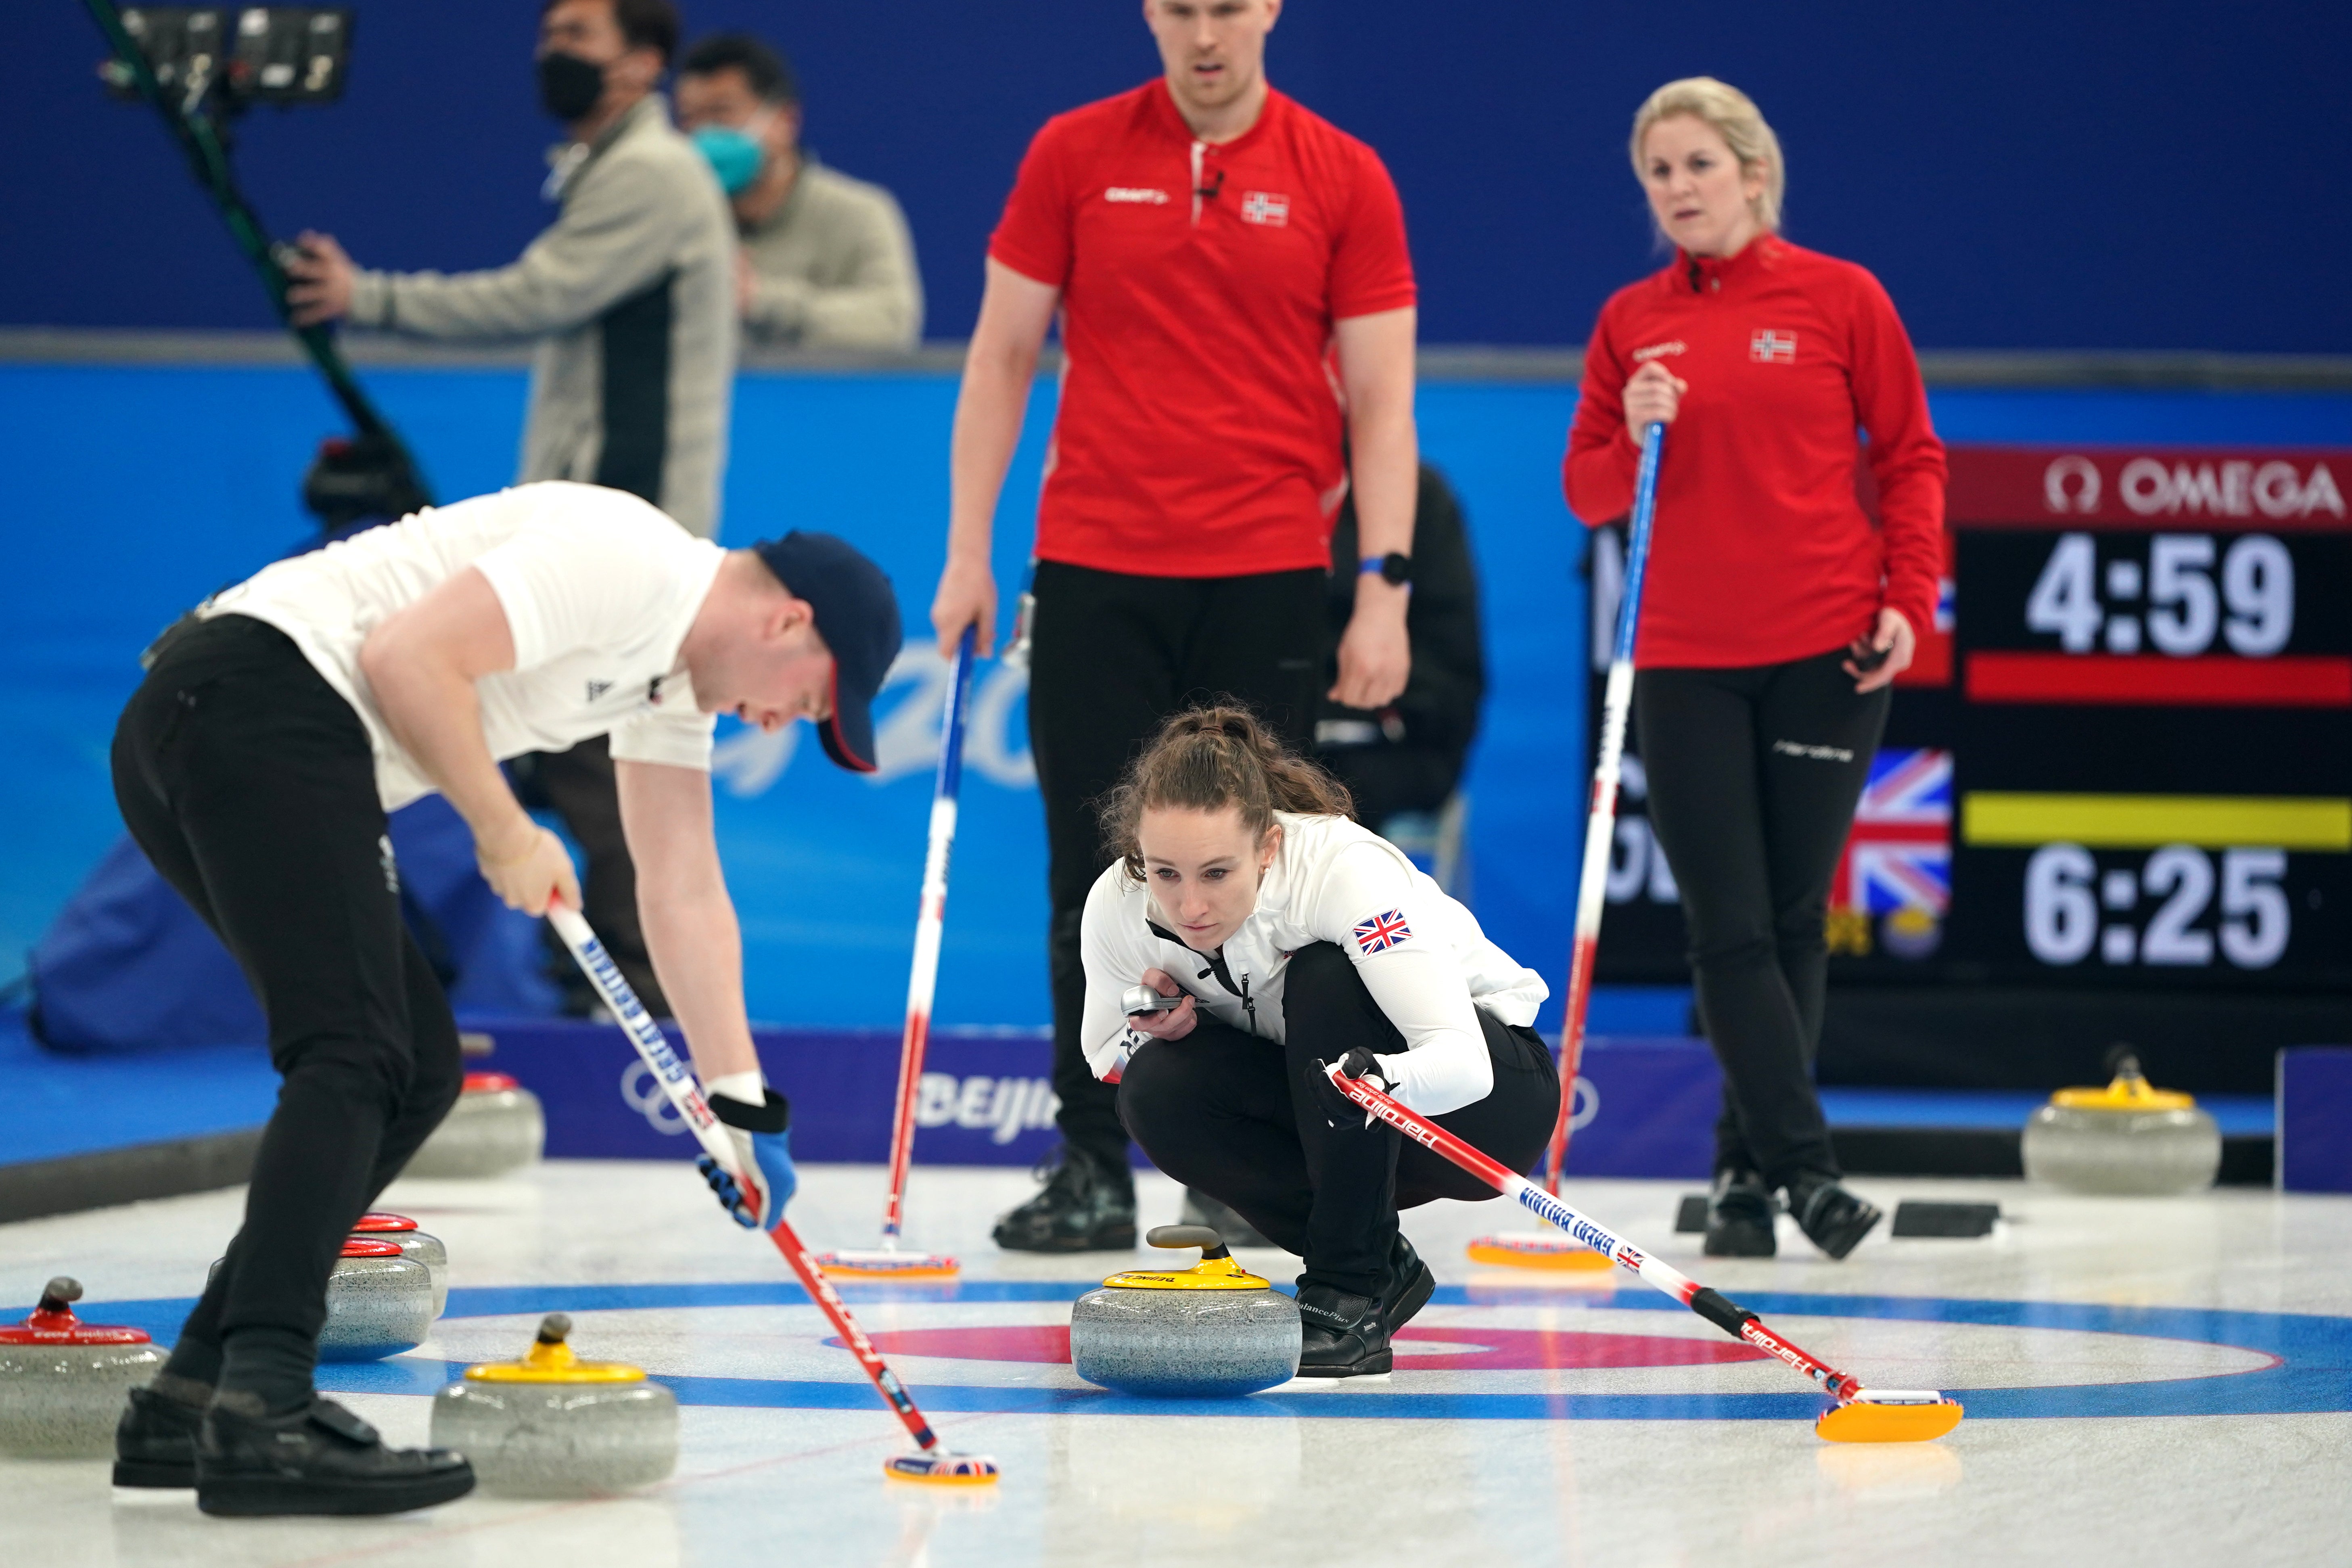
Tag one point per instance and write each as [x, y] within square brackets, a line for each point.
[250, 783]
[1389, 780]
[1754, 774]
[1233, 1115]
[1112, 656]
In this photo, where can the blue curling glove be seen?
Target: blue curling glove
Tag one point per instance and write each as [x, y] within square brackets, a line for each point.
[763, 1149]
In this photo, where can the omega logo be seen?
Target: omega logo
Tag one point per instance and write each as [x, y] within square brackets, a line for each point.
[2236, 487]
[2079, 471]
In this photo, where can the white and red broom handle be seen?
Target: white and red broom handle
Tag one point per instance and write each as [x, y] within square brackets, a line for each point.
[930, 921]
[686, 1096]
[1601, 824]
[1715, 1308]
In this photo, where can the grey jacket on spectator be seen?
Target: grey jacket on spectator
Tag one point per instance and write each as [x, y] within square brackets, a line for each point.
[834, 267]
[631, 295]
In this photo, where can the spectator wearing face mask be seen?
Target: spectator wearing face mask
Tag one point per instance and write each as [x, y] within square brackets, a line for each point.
[826, 261]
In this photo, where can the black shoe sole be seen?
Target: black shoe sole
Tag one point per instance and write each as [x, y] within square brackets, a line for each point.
[1740, 1241]
[1118, 1239]
[159, 1474]
[1848, 1237]
[1379, 1360]
[262, 1496]
[1416, 1296]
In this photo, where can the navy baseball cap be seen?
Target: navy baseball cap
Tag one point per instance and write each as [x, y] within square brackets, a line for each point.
[857, 616]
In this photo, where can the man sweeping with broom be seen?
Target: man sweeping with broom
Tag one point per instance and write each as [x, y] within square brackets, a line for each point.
[279, 724]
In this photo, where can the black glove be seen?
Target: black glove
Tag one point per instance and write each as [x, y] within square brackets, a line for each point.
[1360, 1063]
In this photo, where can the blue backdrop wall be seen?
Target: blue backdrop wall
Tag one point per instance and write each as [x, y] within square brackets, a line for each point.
[136, 491]
[2053, 175]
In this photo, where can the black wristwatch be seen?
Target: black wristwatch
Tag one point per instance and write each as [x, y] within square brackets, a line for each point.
[1395, 567]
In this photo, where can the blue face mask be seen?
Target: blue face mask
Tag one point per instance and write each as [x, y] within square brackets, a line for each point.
[735, 155]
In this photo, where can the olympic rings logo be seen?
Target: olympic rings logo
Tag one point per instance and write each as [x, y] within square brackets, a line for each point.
[643, 1092]
[1588, 1105]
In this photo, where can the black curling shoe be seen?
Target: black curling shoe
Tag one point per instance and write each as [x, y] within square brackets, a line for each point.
[1340, 1335]
[1835, 1218]
[155, 1441]
[1089, 1206]
[1739, 1217]
[319, 1459]
[1410, 1284]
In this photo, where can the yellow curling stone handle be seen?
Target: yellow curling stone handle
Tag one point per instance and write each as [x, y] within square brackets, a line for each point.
[2129, 1091]
[1215, 1271]
[551, 1360]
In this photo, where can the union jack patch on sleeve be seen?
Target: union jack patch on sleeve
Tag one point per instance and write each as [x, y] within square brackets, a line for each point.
[1382, 932]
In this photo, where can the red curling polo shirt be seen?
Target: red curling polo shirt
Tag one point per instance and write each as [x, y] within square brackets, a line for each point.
[1201, 419]
[1761, 552]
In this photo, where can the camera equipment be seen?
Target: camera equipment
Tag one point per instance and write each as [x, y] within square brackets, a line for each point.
[200, 67]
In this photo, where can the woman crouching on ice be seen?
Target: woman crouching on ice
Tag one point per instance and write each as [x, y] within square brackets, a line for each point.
[1293, 937]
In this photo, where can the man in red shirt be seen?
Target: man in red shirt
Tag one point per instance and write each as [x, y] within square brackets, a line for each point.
[1236, 306]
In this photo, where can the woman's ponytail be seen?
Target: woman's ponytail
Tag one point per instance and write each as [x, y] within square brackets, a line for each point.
[1210, 758]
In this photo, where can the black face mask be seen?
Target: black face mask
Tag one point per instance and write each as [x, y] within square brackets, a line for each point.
[569, 87]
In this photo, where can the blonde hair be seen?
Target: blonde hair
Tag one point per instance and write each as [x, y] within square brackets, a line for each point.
[1733, 116]
[1209, 758]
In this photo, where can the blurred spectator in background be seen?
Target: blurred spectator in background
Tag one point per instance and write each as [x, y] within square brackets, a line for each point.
[1404, 761]
[826, 261]
[631, 294]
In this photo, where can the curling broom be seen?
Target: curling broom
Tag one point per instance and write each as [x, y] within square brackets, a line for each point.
[1860, 1415]
[1542, 1249]
[887, 1262]
[931, 1463]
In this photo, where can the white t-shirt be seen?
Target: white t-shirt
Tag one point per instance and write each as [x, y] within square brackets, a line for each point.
[599, 589]
[1421, 955]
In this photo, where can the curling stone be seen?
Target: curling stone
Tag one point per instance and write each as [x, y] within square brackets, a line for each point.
[551, 1424]
[62, 1380]
[496, 1126]
[415, 1245]
[379, 1303]
[1210, 1329]
[2127, 1138]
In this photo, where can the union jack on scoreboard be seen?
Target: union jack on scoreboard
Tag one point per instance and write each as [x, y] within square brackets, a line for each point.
[1382, 932]
[1899, 855]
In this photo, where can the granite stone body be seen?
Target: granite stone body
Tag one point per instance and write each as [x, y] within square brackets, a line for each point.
[415, 1245]
[2122, 1152]
[62, 1380]
[379, 1303]
[552, 1426]
[1209, 1331]
[497, 1126]
[560, 1440]
[1185, 1343]
[376, 1307]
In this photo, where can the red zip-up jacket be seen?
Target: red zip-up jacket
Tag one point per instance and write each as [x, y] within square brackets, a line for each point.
[1760, 552]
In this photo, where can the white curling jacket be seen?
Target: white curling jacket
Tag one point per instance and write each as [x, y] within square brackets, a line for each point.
[1422, 956]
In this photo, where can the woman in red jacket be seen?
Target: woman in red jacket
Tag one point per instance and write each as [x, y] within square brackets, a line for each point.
[1775, 614]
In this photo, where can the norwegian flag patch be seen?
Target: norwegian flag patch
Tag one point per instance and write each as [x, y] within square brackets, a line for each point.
[1266, 207]
[1382, 932]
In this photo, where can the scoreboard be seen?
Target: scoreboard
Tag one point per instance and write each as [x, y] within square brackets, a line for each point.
[2124, 757]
